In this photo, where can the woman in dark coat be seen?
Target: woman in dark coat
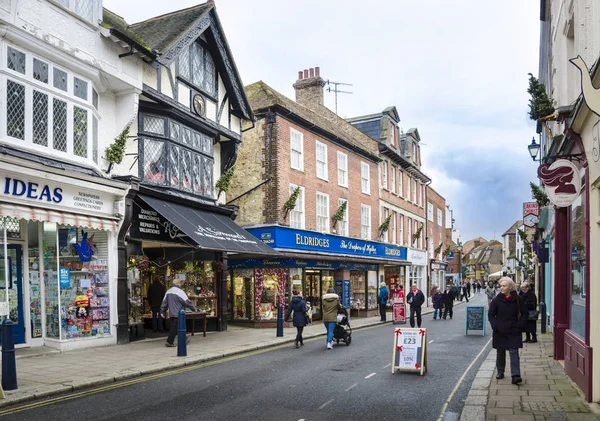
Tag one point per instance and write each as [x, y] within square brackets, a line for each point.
[508, 315]
[531, 303]
[298, 306]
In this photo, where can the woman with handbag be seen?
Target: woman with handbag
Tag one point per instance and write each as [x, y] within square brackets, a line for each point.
[532, 314]
[298, 306]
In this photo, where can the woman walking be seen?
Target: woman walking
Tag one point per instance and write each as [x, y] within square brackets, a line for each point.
[531, 303]
[508, 315]
[490, 291]
[438, 303]
[331, 305]
[298, 306]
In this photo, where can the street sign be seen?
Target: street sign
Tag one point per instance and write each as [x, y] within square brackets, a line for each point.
[410, 350]
[450, 256]
[475, 319]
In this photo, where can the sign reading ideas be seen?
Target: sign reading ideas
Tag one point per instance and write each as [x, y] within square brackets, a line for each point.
[410, 350]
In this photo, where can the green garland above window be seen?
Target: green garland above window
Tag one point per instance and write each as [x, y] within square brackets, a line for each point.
[339, 213]
[385, 225]
[438, 249]
[290, 204]
[116, 151]
[417, 233]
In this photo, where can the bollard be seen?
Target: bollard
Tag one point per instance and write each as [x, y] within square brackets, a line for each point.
[279, 320]
[9, 367]
[181, 339]
[543, 311]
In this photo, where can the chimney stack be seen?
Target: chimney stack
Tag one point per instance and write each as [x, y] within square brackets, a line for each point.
[309, 88]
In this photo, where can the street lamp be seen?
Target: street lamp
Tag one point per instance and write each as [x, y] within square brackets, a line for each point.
[534, 149]
[459, 247]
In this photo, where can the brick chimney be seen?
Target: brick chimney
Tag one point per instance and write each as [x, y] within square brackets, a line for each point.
[309, 88]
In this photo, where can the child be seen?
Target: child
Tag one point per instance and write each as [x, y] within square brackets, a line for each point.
[309, 312]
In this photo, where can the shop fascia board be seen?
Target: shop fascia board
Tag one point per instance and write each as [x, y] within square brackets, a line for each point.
[15, 165]
[298, 254]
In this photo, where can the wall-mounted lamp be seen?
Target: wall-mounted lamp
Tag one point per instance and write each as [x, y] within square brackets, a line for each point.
[534, 149]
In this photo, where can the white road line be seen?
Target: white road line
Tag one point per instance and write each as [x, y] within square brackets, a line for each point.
[431, 341]
[355, 384]
[326, 403]
[370, 375]
[386, 366]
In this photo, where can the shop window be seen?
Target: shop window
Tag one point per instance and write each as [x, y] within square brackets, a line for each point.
[578, 266]
[50, 274]
[243, 294]
[181, 159]
[270, 291]
[372, 290]
[35, 295]
[358, 285]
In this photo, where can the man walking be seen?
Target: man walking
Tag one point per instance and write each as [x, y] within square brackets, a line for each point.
[416, 299]
[155, 294]
[448, 300]
[175, 299]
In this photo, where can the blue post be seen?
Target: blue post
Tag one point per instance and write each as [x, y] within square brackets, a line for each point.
[181, 339]
[279, 320]
[543, 311]
[9, 366]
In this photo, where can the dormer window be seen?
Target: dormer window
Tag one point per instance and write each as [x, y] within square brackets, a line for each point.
[392, 134]
[196, 66]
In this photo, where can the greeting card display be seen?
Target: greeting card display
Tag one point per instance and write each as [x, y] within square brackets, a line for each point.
[410, 350]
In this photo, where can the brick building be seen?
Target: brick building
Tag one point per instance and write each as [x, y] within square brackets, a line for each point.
[436, 236]
[329, 236]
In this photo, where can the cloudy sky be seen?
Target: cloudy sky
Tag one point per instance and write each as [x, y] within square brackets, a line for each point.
[456, 70]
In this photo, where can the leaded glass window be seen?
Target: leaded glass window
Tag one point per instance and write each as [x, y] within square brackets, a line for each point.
[40, 118]
[95, 139]
[80, 89]
[80, 132]
[186, 170]
[154, 125]
[60, 79]
[59, 125]
[40, 70]
[153, 155]
[15, 110]
[197, 66]
[16, 60]
[174, 165]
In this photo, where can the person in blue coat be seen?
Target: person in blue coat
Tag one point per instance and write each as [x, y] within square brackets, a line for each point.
[298, 306]
[384, 296]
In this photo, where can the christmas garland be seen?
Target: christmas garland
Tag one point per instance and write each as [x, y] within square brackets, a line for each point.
[540, 105]
[540, 196]
[339, 213]
[385, 225]
[115, 152]
[417, 233]
[224, 181]
[290, 204]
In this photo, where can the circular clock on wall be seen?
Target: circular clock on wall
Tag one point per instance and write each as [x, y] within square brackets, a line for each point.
[199, 104]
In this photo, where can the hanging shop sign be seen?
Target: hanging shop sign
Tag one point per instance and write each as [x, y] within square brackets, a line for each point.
[294, 239]
[42, 192]
[562, 180]
[299, 263]
[531, 212]
[148, 224]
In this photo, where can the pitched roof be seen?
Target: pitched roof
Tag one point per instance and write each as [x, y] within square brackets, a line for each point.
[261, 96]
[162, 32]
[513, 228]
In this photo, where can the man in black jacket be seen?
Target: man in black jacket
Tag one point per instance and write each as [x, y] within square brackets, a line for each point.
[416, 299]
[448, 300]
[155, 294]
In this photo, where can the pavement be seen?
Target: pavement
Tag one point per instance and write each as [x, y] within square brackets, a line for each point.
[546, 393]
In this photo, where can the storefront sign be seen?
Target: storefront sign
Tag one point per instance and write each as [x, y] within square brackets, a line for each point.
[299, 263]
[148, 224]
[531, 212]
[342, 288]
[450, 256]
[417, 257]
[41, 192]
[562, 180]
[294, 239]
[65, 277]
[399, 315]
[437, 265]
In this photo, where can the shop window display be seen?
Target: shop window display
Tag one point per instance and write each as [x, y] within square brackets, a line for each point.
[269, 292]
[358, 284]
[50, 275]
[243, 293]
[35, 294]
[373, 290]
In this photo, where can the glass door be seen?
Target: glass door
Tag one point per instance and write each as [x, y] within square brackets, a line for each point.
[313, 292]
[11, 275]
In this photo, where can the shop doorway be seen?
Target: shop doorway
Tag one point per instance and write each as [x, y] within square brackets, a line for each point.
[313, 292]
[11, 286]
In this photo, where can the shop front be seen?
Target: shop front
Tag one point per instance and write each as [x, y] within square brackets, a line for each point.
[58, 257]
[313, 263]
[170, 238]
[438, 273]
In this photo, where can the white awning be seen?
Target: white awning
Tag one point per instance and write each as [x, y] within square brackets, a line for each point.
[59, 217]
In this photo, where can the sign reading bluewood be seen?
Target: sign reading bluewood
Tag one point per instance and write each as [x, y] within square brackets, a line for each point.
[294, 239]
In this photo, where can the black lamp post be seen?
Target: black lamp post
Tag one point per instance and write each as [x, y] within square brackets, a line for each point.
[534, 149]
[459, 247]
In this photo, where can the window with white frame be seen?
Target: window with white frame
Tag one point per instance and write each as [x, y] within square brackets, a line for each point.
[393, 179]
[431, 245]
[296, 149]
[386, 234]
[400, 187]
[321, 152]
[297, 214]
[393, 228]
[342, 160]
[342, 226]
[422, 195]
[384, 174]
[196, 66]
[365, 177]
[49, 108]
[430, 211]
[439, 218]
[409, 231]
[408, 186]
[414, 192]
[401, 229]
[365, 221]
[322, 212]
[90, 10]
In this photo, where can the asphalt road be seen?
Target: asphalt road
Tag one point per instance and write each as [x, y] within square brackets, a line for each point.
[311, 383]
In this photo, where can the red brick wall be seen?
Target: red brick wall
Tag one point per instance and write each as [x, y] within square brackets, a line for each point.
[435, 230]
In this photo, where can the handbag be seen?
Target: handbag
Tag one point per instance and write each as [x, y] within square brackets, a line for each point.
[533, 315]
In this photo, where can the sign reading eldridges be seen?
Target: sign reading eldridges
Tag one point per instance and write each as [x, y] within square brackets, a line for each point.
[294, 239]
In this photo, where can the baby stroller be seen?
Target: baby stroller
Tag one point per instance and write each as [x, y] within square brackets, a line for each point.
[342, 330]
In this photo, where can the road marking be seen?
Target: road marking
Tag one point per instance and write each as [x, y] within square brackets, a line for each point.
[326, 403]
[370, 375]
[355, 384]
[431, 341]
[387, 365]
[461, 379]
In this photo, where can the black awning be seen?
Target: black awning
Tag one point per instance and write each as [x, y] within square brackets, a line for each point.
[211, 231]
